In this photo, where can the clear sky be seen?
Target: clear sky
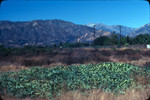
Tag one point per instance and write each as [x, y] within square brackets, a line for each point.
[132, 13]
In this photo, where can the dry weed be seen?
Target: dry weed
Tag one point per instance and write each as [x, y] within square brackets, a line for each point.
[133, 94]
[100, 95]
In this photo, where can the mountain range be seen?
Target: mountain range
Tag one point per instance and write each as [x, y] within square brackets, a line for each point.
[132, 32]
[49, 32]
[145, 29]
[45, 32]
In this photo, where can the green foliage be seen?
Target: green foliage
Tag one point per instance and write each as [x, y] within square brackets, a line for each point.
[5, 51]
[102, 40]
[36, 50]
[49, 82]
[146, 73]
[112, 40]
[126, 44]
[125, 40]
[142, 39]
[74, 45]
[27, 50]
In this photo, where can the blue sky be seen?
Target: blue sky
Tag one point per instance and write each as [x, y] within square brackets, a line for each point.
[132, 13]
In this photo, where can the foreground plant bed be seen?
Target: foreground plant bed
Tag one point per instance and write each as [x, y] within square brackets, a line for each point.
[51, 82]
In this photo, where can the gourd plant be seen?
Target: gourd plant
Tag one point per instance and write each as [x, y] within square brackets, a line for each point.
[50, 82]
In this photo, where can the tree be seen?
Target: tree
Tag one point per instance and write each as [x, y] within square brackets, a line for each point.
[128, 39]
[102, 40]
[119, 41]
[113, 38]
[142, 39]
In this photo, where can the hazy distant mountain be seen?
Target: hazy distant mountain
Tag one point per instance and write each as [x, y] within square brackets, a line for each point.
[44, 32]
[48, 32]
[111, 28]
[145, 29]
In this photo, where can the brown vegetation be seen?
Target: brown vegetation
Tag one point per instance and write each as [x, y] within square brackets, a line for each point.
[133, 94]
[139, 57]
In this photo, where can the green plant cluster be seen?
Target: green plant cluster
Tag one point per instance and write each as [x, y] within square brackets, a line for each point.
[49, 82]
[36, 50]
[74, 45]
[27, 50]
[124, 40]
[146, 73]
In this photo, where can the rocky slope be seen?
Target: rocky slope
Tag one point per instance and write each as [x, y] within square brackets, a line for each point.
[111, 28]
[145, 29]
[44, 32]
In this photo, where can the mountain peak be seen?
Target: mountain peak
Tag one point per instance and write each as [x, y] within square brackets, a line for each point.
[111, 28]
[90, 24]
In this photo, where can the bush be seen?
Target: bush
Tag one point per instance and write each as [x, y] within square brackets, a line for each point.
[74, 45]
[48, 82]
[5, 51]
[102, 40]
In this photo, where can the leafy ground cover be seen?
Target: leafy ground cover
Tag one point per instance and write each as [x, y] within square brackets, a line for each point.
[51, 82]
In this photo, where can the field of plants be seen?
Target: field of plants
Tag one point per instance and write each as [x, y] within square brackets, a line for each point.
[38, 73]
[51, 82]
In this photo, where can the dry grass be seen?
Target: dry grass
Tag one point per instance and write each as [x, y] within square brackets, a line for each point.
[99, 95]
[140, 57]
[143, 61]
[6, 66]
[95, 95]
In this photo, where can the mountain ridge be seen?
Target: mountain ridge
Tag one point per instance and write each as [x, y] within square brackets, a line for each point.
[44, 32]
[49, 32]
[132, 32]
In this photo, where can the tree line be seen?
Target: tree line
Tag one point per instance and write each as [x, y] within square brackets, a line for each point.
[115, 39]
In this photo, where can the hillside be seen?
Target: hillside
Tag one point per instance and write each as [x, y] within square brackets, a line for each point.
[111, 28]
[44, 32]
[145, 29]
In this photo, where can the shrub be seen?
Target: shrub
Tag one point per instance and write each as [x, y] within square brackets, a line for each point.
[49, 82]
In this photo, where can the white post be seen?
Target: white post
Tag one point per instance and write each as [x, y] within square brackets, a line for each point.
[148, 46]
